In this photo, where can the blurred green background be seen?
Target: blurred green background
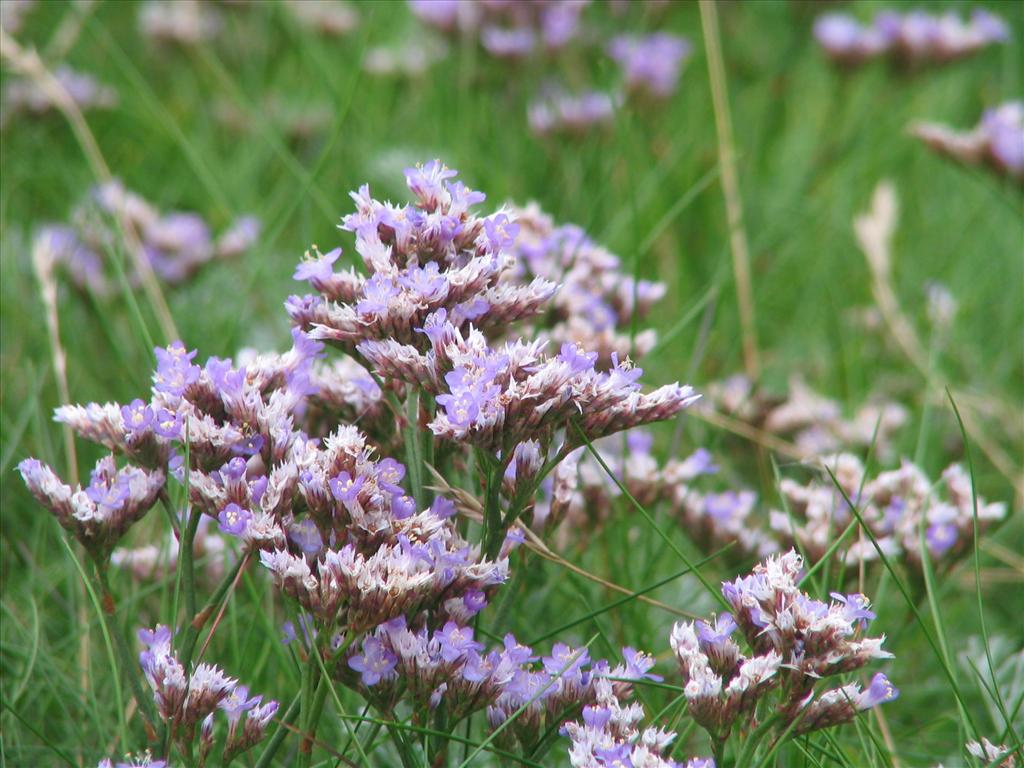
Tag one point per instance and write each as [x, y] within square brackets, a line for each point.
[812, 144]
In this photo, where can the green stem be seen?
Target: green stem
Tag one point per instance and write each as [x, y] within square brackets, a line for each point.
[198, 620]
[130, 665]
[494, 531]
[414, 448]
[279, 735]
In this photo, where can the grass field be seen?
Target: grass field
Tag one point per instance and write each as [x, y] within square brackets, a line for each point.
[812, 143]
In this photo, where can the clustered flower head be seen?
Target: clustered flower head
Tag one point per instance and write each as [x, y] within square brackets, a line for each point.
[175, 244]
[815, 423]
[650, 64]
[144, 760]
[99, 514]
[506, 28]
[370, 555]
[441, 277]
[332, 18]
[181, 22]
[448, 674]
[997, 140]
[913, 38]
[596, 301]
[609, 736]
[581, 496]
[898, 506]
[23, 96]
[186, 700]
[559, 111]
[794, 641]
[989, 753]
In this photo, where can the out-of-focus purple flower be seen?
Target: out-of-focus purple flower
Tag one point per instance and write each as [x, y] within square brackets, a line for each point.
[652, 63]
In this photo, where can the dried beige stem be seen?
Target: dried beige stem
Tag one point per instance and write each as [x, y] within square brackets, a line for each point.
[874, 230]
[29, 64]
[731, 186]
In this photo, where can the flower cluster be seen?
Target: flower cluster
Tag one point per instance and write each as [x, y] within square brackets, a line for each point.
[26, 97]
[175, 244]
[898, 506]
[181, 22]
[13, 13]
[650, 64]
[99, 514]
[989, 753]
[583, 495]
[186, 700]
[154, 562]
[609, 736]
[331, 18]
[506, 28]
[997, 140]
[448, 674]
[814, 423]
[596, 301]
[369, 555]
[433, 261]
[144, 760]
[558, 111]
[794, 641]
[912, 38]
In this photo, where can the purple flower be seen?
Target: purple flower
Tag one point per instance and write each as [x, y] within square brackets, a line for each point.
[375, 662]
[402, 506]
[456, 641]
[427, 181]
[378, 291]
[389, 474]
[306, 537]
[500, 232]
[638, 665]
[442, 507]
[941, 537]
[855, 608]
[878, 692]
[137, 416]
[716, 635]
[434, 326]
[235, 469]
[110, 496]
[617, 756]
[345, 488]
[426, 282]
[168, 424]
[461, 409]
[565, 662]
[317, 270]
[234, 519]
[174, 371]
[578, 361]
[474, 601]
[249, 446]
[237, 702]
[650, 63]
